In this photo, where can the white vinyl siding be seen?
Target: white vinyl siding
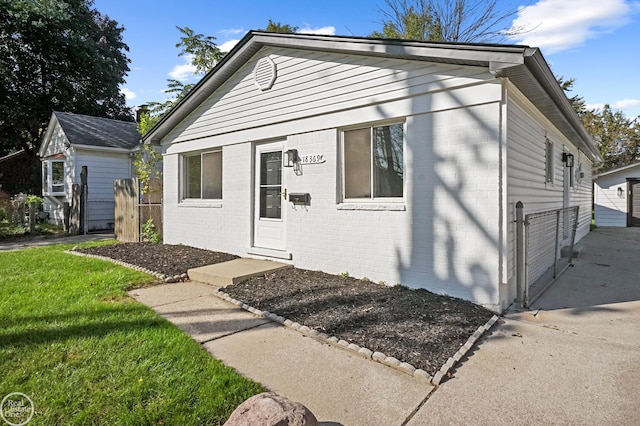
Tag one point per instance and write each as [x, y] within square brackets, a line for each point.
[611, 197]
[311, 83]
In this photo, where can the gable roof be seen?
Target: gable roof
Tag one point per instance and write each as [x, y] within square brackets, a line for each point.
[524, 66]
[619, 169]
[12, 155]
[88, 131]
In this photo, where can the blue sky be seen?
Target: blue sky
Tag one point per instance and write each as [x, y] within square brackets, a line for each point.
[595, 42]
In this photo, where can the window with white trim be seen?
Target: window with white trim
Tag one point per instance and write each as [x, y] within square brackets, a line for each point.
[373, 163]
[549, 165]
[202, 176]
[53, 177]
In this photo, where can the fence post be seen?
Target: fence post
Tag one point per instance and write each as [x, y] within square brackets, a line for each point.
[520, 271]
[555, 260]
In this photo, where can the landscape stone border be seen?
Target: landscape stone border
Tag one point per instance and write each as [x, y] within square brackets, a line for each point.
[366, 353]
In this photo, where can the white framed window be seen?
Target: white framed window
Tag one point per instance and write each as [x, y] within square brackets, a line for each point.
[373, 163]
[549, 163]
[202, 176]
[53, 177]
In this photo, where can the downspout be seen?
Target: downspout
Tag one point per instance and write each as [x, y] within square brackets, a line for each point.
[503, 200]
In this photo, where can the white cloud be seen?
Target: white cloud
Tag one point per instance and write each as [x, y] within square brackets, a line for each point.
[329, 30]
[556, 25]
[228, 45]
[232, 31]
[624, 104]
[128, 94]
[184, 71]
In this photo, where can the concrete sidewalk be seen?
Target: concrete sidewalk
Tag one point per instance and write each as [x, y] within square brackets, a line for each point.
[40, 241]
[337, 386]
[572, 359]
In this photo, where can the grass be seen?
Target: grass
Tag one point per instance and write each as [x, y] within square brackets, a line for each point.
[86, 353]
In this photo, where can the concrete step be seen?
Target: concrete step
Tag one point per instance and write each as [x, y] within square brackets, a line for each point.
[234, 271]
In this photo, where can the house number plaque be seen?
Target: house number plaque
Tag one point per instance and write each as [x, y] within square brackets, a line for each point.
[312, 159]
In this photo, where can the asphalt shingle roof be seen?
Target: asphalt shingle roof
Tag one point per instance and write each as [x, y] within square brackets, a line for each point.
[99, 132]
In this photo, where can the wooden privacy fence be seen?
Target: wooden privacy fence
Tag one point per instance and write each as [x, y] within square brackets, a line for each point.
[133, 208]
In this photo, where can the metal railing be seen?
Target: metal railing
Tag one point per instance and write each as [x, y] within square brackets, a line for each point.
[544, 249]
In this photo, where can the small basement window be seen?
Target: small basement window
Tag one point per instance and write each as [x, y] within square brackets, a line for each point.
[202, 177]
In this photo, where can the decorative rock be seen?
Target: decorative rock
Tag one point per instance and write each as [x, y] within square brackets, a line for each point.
[436, 379]
[457, 356]
[280, 319]
[353, 347]
[288, 323]
[379, 356]
[422, 375]
[391, 361]
[323, 336]
[449, 364]
[245, 306]
[314, 333]
[304, 329]
[333, 339]
[343, 343]
[365, 352]
[271, 409]
[406, 367]
[266, 313]
[295, 325]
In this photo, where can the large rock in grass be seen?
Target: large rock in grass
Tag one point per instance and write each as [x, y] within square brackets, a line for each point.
[271, 409]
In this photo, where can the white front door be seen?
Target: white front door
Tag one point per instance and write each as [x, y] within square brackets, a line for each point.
[269, 219]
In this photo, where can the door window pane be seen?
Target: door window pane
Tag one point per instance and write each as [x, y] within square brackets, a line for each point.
[270, 185]
[357, 163]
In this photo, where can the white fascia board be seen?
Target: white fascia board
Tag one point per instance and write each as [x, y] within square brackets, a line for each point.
[105, 148]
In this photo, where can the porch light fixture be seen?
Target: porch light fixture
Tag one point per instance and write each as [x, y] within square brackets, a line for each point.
[567, 159]
[620, 192]
[290, 157]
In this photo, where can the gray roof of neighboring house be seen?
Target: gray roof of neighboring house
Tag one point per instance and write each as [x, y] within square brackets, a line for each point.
[98, 132]
[523, 65]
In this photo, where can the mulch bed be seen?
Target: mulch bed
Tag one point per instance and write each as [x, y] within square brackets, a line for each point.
[414, 326]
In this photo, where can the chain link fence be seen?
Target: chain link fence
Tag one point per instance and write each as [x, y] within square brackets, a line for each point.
[545, 249]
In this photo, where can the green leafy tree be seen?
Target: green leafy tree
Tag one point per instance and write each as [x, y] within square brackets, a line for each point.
[277, 27]
[203, 53]
[461, 21]
[57, 55]
[577, 101]
[616, 136]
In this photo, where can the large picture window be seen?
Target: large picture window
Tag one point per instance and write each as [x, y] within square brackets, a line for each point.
[373, 162]
[53, 177]
[203, 176]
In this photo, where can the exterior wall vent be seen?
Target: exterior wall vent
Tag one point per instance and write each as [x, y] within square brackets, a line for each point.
[264, 74]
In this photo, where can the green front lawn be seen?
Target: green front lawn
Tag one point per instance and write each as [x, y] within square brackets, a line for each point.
[85, 353]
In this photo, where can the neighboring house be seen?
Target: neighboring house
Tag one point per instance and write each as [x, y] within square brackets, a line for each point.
[103, 145]
[409, 158]
[616, 197]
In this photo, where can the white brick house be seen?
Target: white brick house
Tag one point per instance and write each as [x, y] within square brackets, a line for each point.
[412, 154]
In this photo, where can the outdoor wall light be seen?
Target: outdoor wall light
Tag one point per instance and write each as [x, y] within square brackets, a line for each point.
[567, 159]
[620, 192]
[290, 157]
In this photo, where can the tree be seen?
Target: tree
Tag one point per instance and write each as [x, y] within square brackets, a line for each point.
[277, 27]
[460, 21]
[56, 55]
[577, 101]
[203, 53]
[616, 136]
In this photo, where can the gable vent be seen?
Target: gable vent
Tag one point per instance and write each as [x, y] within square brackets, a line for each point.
[264, 74]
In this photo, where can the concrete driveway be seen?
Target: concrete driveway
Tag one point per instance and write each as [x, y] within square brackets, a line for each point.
[573, 359]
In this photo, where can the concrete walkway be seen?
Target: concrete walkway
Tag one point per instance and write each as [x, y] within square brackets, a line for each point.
[41, 241]
[573, 359]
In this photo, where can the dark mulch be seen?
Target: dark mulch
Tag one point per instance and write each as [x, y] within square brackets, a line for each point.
[164, 258]
[414, 326]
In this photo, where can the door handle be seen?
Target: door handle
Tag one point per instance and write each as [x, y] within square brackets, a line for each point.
[284, 193]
